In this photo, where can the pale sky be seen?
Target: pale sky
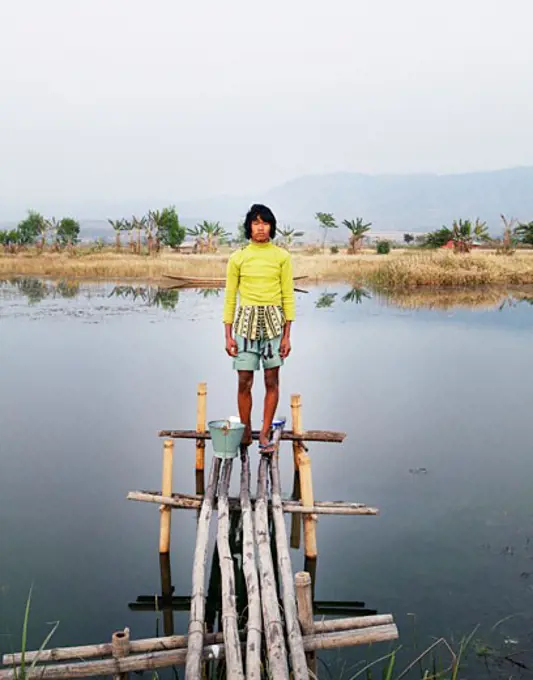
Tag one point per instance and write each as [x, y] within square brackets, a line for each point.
[119, 99]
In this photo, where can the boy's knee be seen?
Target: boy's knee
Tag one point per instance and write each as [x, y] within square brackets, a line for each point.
[246, 381]
[271, 380]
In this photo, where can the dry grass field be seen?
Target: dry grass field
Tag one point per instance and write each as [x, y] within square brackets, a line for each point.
[399, 269]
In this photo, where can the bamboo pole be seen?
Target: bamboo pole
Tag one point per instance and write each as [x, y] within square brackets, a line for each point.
[166, 488]
[191, 502]
[201, 407]
[254, 628]
[306, 485]
[275, 642]
[299, 664]
[162, 659]
[120, 647]
[197, 615]
[326, 436]
[296, 413]
[160, 644]
[229, 610]
[305, 613]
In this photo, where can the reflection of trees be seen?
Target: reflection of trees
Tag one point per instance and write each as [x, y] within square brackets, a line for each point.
[34, 290]
[209, 292]
[154, 297]
[325, 300]
[67, 289]
[357, 295]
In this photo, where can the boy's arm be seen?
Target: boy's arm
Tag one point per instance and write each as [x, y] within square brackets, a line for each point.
[288, 302]
[230, 303]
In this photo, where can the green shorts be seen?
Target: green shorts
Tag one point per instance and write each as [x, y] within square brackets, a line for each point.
[253, 352]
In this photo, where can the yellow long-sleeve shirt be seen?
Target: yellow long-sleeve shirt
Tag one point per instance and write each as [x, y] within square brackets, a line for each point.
[261, 274]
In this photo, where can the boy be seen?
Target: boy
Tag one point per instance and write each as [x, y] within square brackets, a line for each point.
[262, 275]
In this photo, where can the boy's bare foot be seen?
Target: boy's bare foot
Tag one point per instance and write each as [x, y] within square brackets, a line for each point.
[265, 445]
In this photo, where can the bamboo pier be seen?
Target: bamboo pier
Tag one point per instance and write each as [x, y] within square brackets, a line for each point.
[267, 625]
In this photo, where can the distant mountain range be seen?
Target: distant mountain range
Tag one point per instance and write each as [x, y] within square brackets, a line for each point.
[393, 203]
[416, 203]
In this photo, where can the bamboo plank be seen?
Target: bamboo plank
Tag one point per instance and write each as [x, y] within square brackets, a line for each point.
[275, 642]
[288, 435]
[159, 644]
[170, 657]
[299, 664]
[254, 628]
[197, 615]
[189, 502]
[229, 610]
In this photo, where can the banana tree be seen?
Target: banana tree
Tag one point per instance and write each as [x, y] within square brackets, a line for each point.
[288, 234]
[524, 232]
[154, 216]
[464, 233]
[138, 224]
[52, 226]
[213, 234]
[326, 222]
[118, 226]
[358, 230]
[198, 235]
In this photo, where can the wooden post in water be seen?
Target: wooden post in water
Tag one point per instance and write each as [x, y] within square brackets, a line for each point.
[201, 407]
[304, 599]
[296, 413]
[120, 647]
[306, 485]
[166, 593]
[164, 529]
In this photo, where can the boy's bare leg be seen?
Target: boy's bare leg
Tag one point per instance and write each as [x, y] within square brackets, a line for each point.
[271, 404]
[244, 400]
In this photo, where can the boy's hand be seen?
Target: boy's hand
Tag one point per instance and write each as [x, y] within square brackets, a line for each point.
[231, 347]
[285, 347]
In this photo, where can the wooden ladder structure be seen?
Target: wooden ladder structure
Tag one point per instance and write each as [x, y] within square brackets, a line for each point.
[279, 636]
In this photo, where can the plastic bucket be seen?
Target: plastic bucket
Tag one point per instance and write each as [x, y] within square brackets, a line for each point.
[226, 437]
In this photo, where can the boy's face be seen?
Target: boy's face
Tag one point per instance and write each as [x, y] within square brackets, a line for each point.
[260, 230]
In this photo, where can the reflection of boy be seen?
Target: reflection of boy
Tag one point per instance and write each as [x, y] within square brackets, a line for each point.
[262, 275]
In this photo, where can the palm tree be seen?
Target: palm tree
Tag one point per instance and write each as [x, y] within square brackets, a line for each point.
[214, 233]
[118, 226]
[358, 230]
[288, 235]
[326, 221]
[128, 226]
[464, 233]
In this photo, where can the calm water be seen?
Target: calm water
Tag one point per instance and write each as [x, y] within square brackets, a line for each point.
[436, 404]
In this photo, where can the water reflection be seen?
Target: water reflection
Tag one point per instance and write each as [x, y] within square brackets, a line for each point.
[167, 297]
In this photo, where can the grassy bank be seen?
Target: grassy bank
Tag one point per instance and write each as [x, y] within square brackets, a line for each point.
[399, 269]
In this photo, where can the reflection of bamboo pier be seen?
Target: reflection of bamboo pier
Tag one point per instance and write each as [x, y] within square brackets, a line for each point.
[264, 615]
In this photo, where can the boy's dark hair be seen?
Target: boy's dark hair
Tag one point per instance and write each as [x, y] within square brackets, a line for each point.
[259, 210]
